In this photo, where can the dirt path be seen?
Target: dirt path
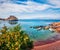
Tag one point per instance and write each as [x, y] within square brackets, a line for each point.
[52, 46]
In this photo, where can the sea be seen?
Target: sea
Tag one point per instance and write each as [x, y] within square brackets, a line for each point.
[26, 24]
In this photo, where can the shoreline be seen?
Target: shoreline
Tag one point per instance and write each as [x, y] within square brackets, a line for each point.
[41, 43]
[52, 43]
[47, 41]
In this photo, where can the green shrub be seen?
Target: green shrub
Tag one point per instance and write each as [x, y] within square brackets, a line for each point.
[14, 39]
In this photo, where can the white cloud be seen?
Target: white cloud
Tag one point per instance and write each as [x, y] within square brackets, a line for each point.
[30, 7]
[40, 16]
[55, 2]
[5, 1]
[36, 6]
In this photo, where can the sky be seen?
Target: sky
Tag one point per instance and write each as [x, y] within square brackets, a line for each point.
[30, 9]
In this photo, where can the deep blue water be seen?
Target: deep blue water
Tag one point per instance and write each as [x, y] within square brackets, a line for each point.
[33, 33]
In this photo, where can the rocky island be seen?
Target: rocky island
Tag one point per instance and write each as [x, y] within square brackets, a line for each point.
[2, 19]
[10, 18]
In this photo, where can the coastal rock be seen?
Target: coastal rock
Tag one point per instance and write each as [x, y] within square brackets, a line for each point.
[46, 27]
[37, 27]
[57, 30]
[55, 26]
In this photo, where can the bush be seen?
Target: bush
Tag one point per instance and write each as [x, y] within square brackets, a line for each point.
[14, 39]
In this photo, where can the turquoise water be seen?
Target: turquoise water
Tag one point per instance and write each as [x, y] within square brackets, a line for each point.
[33, 33]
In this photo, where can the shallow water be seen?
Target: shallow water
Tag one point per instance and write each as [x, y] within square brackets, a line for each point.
[33, 33]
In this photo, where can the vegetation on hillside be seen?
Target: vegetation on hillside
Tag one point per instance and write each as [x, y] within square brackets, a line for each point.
[14, 39]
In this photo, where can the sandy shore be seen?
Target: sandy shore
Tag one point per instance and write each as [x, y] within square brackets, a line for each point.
[51, 46]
